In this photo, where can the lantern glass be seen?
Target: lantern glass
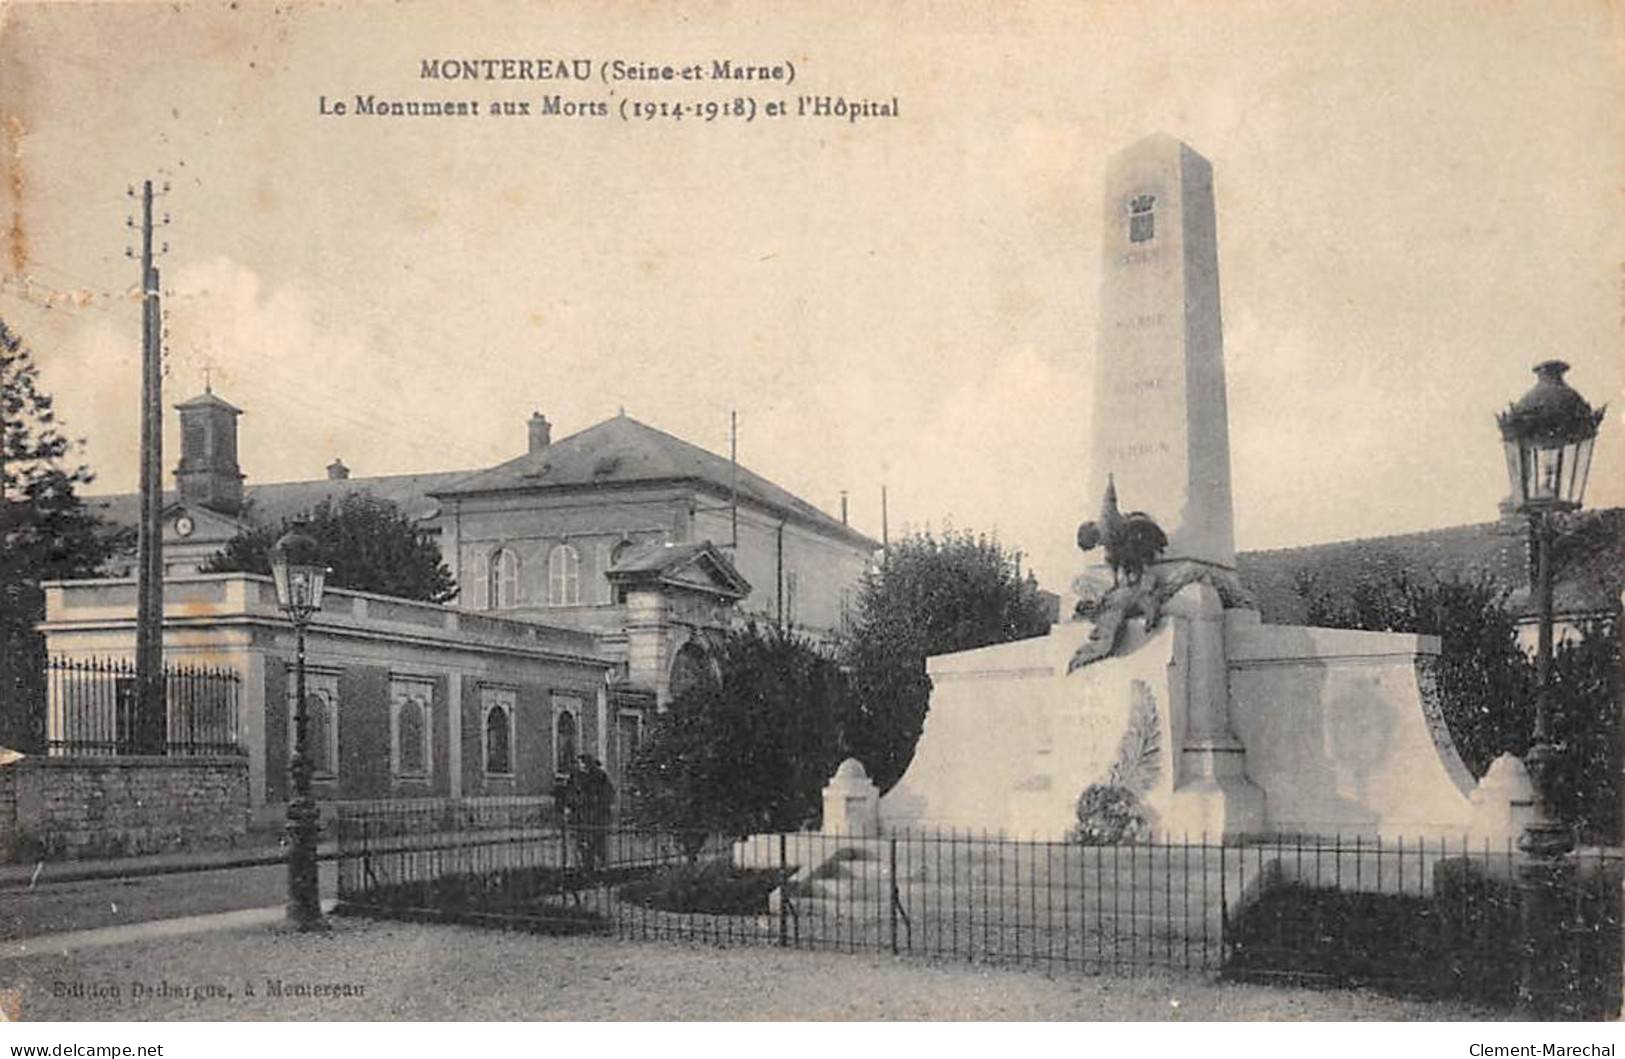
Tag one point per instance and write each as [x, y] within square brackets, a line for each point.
[299, 586]
[279, 574]
[1582, 468]
[1546, 485]
[1549, 474]
[1514, 455]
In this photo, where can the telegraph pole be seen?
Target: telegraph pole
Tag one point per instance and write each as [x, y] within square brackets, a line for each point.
[150, 719]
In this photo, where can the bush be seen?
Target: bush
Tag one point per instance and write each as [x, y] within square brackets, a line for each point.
[1463, 940]
[715, 888]
[932, 595]
[747, 748]
[1111, 816]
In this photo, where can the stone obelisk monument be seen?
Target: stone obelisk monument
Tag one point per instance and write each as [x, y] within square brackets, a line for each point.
[1160, 423]
[1162, 432]
[1212, 722]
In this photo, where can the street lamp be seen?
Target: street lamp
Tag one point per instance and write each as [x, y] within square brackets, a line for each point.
[1548, 436]
[300, 575]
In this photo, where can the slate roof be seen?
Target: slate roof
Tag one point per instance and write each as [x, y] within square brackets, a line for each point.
[208, 399]
[623, 450]
[271, 502]
[1589, 563]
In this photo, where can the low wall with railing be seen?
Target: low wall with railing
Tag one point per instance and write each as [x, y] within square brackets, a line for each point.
[78, 808]
[92, 708]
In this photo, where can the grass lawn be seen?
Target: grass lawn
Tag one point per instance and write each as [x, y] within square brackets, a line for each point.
[420, 971]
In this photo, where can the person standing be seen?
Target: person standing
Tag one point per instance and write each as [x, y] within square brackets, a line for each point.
[589, 807]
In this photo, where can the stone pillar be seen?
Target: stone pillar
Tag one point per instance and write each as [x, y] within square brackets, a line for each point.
[603, 723]
[251, 724]
[1212, 794]
[851, 802]
[454, 734]
[646, 642]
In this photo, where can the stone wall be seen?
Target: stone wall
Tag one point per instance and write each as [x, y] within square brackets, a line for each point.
[8, 813]
[78, 808]
[358, 647]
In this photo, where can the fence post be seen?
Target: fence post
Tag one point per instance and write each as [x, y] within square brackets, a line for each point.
[894, 896]
[784, 897]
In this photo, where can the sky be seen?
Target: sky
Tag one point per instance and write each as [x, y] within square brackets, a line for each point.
[1416, 204]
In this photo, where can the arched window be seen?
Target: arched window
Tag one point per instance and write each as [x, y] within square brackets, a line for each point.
[318, 729]
[563, 576]
[1142, 218]
[409, 715]
[690, 667]
[503, 578]
[321, 722]
[498, 731]
[564, 738]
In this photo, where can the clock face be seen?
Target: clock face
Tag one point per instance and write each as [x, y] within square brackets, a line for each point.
[184, 525]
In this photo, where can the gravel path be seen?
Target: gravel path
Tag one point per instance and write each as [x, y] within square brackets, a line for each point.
[418, 971]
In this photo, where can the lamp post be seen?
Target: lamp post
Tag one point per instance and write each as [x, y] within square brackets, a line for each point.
[1548, 435]
[300, 577]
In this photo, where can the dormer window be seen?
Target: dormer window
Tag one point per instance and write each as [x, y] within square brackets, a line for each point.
[1142, 218]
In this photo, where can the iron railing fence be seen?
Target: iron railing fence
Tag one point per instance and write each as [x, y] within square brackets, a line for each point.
[92, 704]
[1436, 917]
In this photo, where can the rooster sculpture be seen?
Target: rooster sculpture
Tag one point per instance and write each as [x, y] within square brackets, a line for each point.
[1132, 541]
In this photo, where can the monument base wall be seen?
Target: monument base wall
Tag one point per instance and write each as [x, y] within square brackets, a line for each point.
[1011, 739]
[1344, 732]
[1324, 732]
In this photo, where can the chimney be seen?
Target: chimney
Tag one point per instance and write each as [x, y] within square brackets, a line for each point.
[336, 470]
[843, 507]
[541, 432]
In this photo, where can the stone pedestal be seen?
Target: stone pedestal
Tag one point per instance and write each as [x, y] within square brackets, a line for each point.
[851, 802]
[1504, 800]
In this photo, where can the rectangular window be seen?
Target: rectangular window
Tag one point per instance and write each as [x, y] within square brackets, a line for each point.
[411, 717]
[476, 585]
[628, 737]
[322, 726]
[496, 730]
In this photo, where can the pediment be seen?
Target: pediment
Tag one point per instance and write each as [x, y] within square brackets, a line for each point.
[207, 525]
[696, 567]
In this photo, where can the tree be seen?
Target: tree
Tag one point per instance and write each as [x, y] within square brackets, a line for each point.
[748, 747]
[1486, 680]
[932, 595]
[1586, 704]
[46, 533]
[370, 547]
